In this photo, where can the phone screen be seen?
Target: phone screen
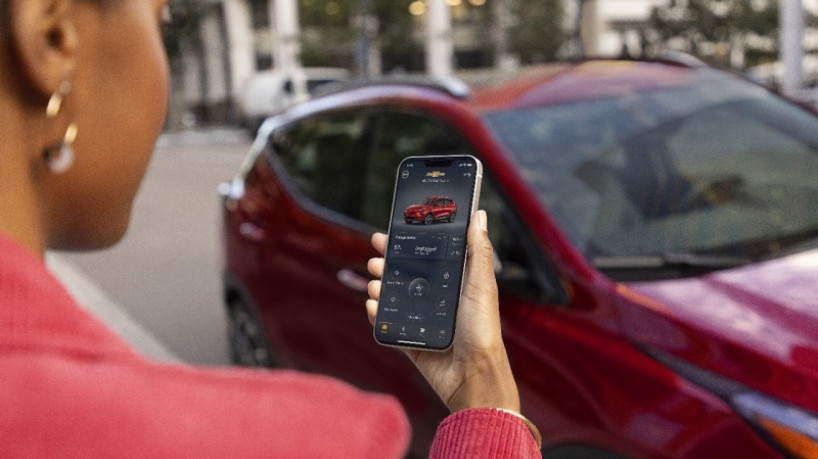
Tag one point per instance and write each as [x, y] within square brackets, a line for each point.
[426, 253]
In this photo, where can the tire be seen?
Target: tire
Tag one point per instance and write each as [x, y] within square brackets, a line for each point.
[428, 219]
[248, 345]
[452, 216]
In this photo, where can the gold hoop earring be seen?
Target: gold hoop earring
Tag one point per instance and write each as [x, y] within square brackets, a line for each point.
[55, 102]
[60, 157]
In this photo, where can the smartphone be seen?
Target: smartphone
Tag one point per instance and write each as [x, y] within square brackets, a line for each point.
[425, 258]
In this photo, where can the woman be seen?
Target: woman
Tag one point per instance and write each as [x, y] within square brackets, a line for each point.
[84, 91]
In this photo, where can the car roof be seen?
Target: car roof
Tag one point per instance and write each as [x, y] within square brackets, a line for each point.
[568, 82]
[449, 86]
[547, 84]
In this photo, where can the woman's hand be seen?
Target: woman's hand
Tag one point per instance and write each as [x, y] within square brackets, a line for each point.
[475, 371]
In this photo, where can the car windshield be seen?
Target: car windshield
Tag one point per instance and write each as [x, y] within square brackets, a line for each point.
[429, 201]
[717, 168]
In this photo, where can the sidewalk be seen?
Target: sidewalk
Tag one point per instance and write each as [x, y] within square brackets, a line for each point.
[94, 298]
[225, 135]
[97, 302]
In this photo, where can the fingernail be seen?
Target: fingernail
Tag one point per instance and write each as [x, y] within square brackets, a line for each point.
[482, 220]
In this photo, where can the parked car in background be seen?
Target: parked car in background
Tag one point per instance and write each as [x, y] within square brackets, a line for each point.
[271, 92]
[432, 209]
[656, 233]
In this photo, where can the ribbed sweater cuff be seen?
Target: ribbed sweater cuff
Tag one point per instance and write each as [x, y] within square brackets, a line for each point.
[483, 433]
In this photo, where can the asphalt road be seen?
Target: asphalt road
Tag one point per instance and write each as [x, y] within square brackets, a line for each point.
[165, 274]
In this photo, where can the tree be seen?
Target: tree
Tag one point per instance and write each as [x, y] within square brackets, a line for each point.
[400, 45]
[713, 29]
[180, 37]
[331, 28]
[186, 17]
[326, 35]
[538, 34]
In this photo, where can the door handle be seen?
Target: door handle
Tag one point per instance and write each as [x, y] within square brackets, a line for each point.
[252, 232]
[352, 280]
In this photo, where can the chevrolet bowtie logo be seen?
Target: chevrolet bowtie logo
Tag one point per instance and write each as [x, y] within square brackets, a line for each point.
[435, 174]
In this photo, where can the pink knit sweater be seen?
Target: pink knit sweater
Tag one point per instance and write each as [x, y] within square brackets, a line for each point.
[70, 388]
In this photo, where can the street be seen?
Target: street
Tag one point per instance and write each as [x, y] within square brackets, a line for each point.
[165, 273]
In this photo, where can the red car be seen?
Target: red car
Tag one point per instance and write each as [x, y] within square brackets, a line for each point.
[656, 232]
[432, 209]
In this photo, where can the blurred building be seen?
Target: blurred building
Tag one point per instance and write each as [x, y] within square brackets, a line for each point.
[234, 41]
[615, 27]
[212, 64]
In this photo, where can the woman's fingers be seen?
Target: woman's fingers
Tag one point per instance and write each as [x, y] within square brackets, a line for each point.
[374, 289]
[375, 267]
[379, 242]
[371, 310]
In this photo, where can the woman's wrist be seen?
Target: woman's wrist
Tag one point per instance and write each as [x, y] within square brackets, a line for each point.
[490, 385]
[535, 432]
[487, 429]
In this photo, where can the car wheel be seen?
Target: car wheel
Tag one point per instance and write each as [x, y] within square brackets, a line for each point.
[248, 345]
[428, 219]
[452, 216]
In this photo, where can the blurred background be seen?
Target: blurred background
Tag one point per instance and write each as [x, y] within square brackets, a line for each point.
[667, 311]
[235, 62]
[222, 49]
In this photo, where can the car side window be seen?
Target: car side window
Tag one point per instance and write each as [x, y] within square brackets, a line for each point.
[402, 134]
[398, 135]
[324, 157]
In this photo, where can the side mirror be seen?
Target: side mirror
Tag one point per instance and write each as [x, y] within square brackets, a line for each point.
[519, 281]
[513, 278]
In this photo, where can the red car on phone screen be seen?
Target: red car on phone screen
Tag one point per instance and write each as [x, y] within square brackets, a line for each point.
[655, 226]
[432, 209]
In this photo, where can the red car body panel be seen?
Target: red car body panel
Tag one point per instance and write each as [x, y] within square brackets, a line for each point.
[584, 375]
[757, 325]
[316, 254]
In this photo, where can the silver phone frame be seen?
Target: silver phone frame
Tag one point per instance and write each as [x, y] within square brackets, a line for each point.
[475, 198]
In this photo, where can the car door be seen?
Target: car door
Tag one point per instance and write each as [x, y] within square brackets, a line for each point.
[397, 134]
[312, 298]
[439, 209]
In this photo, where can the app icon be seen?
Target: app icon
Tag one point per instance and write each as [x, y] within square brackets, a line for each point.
[419, 287]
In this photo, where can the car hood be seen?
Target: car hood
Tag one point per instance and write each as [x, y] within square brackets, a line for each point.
[416, 208]
[757, 324]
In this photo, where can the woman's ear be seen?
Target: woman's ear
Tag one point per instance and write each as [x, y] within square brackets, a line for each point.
[44, 40]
